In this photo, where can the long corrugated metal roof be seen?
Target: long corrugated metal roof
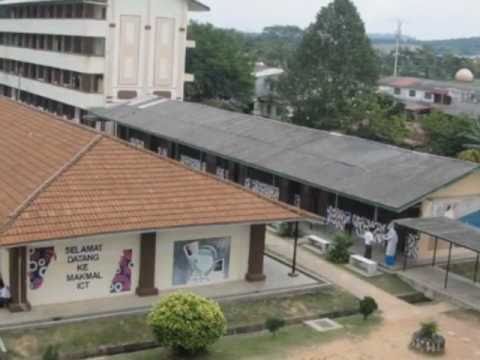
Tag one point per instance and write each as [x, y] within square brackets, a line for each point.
[379, 174]
[447, 229]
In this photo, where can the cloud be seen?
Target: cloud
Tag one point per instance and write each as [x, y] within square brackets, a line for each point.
[425, 19]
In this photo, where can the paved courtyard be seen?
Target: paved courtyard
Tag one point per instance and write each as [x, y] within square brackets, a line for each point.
[390, 340]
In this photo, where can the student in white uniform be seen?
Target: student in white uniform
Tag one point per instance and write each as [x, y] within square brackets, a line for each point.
[369, 240]
[4, 294]
[392, 241]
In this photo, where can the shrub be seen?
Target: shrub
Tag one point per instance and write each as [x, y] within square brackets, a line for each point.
[187, 323]
[429, 329]
[51, 353]
[339, 251]
[274, 324]
[367, 307]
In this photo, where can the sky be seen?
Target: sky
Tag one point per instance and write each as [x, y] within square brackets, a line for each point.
[423, 19]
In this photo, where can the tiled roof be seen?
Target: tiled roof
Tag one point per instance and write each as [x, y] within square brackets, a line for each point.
[62, 181]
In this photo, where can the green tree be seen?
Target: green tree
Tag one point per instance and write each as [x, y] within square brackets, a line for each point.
[275, 45]
[367, 306]
[379, 118]
[472, 155]
[187, 323]
[473, 135]
[339, 251]
[222, 67]
[446, 133]
[332, 67]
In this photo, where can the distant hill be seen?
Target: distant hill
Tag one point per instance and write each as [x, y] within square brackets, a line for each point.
[463, 47]
[389, 38]
[460, 47]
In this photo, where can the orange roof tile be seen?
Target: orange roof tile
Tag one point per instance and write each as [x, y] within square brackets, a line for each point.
[59, 180]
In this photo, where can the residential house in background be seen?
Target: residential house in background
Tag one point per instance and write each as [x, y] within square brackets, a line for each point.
[67, 56]
[266, 102]
[421, 96]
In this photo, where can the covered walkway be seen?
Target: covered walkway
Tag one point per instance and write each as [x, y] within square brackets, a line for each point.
[430, 280]
[454, 232]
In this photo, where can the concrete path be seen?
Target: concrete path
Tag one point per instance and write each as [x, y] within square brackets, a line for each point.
[392, 307]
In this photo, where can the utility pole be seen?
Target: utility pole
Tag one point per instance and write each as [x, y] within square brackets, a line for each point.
[397, 48]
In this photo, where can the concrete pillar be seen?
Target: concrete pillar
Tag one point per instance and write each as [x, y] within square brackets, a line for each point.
[306, 198]
[256, 253]
[242, 174]
[211, 162]
[231, 171]
[322, 203]
[285, 191]
[18, 280]
[77, 115]
[146, 281]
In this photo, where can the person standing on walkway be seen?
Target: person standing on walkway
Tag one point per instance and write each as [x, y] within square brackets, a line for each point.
[369, 240]
[392, 240]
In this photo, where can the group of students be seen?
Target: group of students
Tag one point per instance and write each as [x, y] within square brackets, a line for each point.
[391, 238]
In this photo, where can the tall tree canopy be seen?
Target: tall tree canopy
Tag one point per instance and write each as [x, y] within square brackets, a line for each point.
[222, 67]
[332, 69]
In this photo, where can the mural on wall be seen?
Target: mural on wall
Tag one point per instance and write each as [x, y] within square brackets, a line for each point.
[39, 260]
[201, 261]
[162, 151]
[193, 163]
[413, 240]
[455, 208]
[267, 190]
[340, 218]
[122, 282]
[222, 173]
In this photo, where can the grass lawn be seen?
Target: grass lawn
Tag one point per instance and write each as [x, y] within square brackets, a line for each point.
[264, 346]
[389, 283]
[88, 335]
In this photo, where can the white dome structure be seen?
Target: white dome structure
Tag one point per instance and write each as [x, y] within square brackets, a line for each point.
[464, 75]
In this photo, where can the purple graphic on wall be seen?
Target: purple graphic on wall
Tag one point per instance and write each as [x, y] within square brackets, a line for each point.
[122, 281]
[40, 259]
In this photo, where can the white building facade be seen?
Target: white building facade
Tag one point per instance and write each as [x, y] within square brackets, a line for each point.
[68, 56]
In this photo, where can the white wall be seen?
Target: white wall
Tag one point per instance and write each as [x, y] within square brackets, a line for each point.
[72, 27]
[73, 62]
[59, 93]
[240, 242]
[105, 254]
[143, 43]
[57, 288]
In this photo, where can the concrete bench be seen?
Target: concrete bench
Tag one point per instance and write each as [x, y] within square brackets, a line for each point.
[318, 242]
[363, 265]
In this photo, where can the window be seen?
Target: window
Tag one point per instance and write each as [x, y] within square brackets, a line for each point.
[397, 91]
[428, 96]
[412, 93]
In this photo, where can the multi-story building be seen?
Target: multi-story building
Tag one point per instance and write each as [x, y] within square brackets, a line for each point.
[266, 101]
[68, 56]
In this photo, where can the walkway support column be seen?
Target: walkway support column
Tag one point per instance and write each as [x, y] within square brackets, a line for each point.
[434, 261]
[256, 253]
[146, 281]
[18, 279]
[295, 247]
[477, 262]
[448, 264]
